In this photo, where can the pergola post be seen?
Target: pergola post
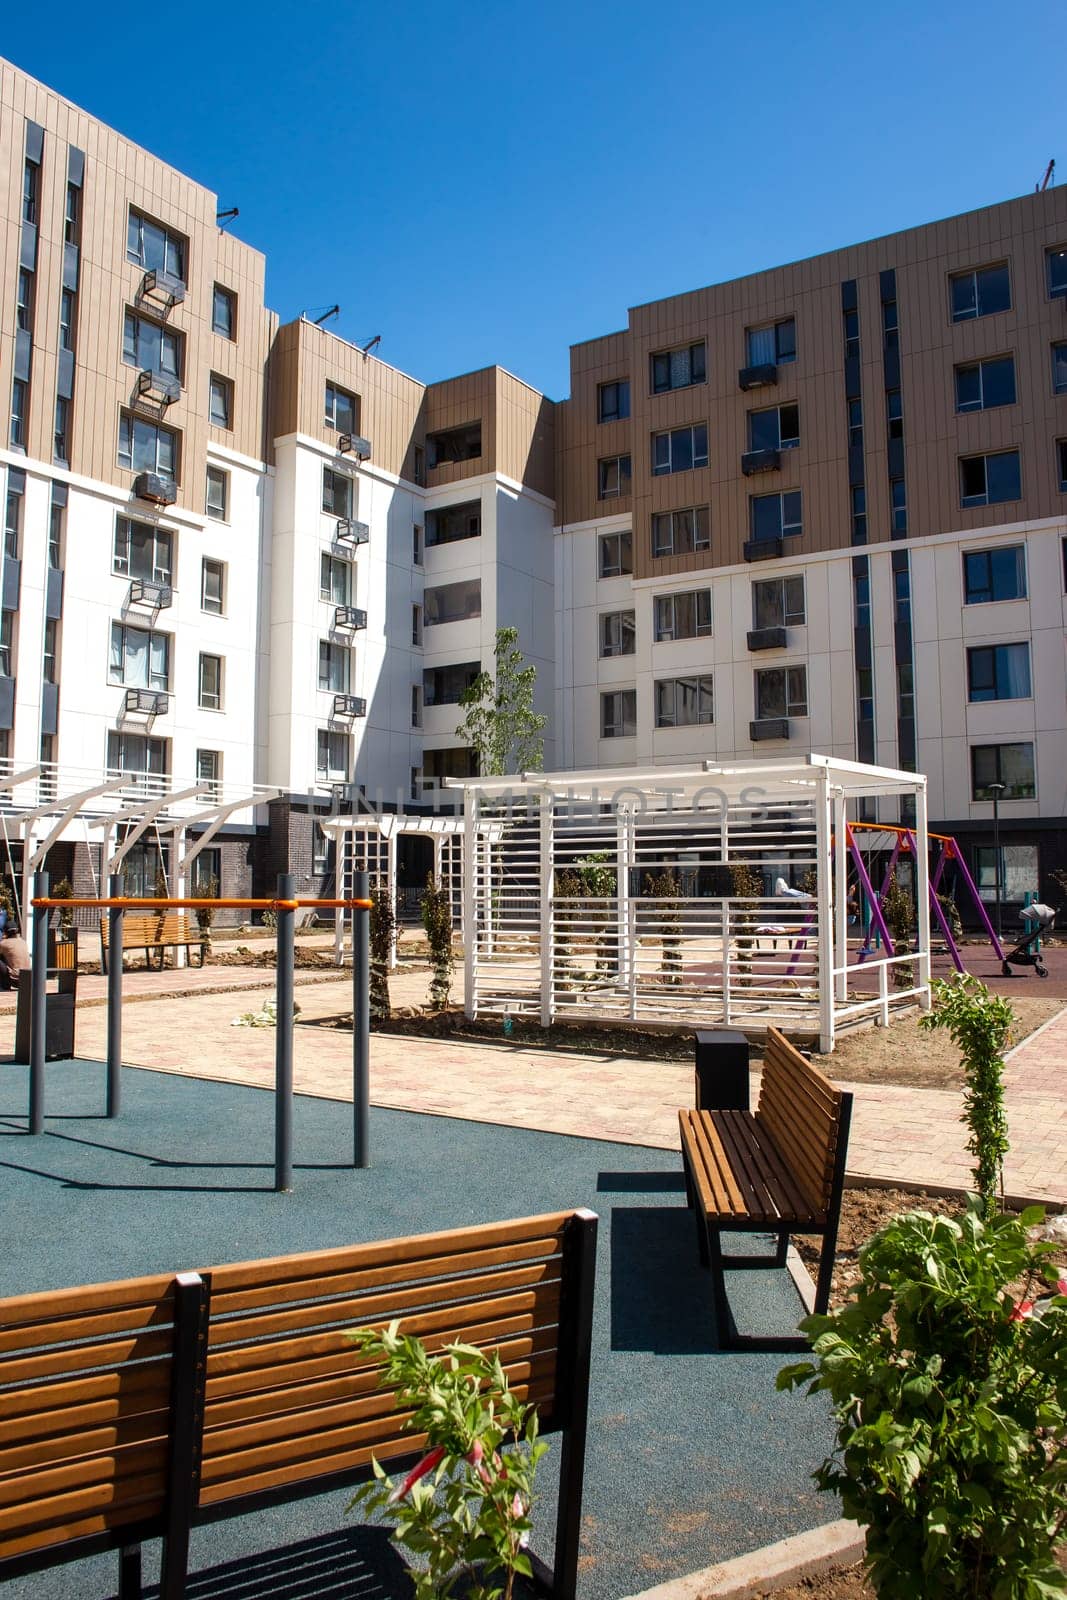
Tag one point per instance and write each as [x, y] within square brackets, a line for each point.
[922, 891]
[548, 908]
[469, 927]
[624, 860]
[824, 865]
[840, 850]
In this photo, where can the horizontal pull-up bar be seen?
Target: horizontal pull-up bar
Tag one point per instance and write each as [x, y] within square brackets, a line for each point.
[157, 903]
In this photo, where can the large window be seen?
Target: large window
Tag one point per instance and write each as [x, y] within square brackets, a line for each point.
[618, 714]
[679, 369]
[781, 692]
[451, 523]
[777, 428]
[615, 554]
[682, 616]
[1061, 462]
[19, 397]
[1018, 871]
[335, 579]
[1056, 266]
[446, 686]
[7, 645]
[154, 247]
[331, 756]
[147, 446]
[220, 401]
[773, 344]
[778, 602]
[980, 293]
[1059, 368]
[68, 311]
[455, 444]
[682, 702]
[137, 753]
[151, 348]
[212, 586]
[342, 410]
[613, 477]
[210, 696]
[983, 385]
[30, 181]
[336, 493]
[218, 493]
[453, 602]
[61, 430]
[775, 515]
[12, 521]
[140, 657]
[987, 480]
[209, 771]
[613, 400]
[681, 449]
[678, 533]
[142, 551]
[1009, 764]
[998, 574]
[998, 672]
[335, 666]
[206, 875]
[223, 312]
[618, 633]
[24, 302]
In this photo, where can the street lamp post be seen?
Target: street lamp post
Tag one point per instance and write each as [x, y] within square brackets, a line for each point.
[996, 790]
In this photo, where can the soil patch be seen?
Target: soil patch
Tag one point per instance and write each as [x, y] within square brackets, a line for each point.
[863, 1212]
[842, 1583]
[908, 1055]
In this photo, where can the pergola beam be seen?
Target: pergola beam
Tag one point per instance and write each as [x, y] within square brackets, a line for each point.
[71, 805]
[147, 815]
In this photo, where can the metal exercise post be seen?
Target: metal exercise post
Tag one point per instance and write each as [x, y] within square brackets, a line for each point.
[38, 1009]
[115, 917]
[361, 1022]
[283, 1048]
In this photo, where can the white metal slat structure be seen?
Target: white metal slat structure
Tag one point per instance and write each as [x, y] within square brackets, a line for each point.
[695, 896]
[367, 841]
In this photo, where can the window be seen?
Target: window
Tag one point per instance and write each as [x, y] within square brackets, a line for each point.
[852, 335]
[859, 515]
[453, 602]
[781, 692]
[679, 369]
[987, 480]
[149, 347]
[137, 753]
[72, 216]
[320, 850]
[1061, 457]
[335, 580]
[613, 477]
[335, 667]
[341, 410]
[140, 657]
[680, 449]
[682, 702]
[143, 864]
[983, 385]
[772, 345]
[416, 705]
[416, 624]
[864, 694]
[618, 714]
[615, 554]
[894, 413]
[906, 697]
[61, 432]
[677, 533]
[147, 447]
[7, 632]
[1009, 764]
[223, 312]
[446, 686]
[18, 414]
[890, 325]
[67, 313]
[220, 401]
[1059, 368]
[618, 633]
[142, 551]
[51, 647]
[416, 544]
[30, 173]
[855, 423]
[775, 429]
[998, 672]
[209, 771]
[898, 506]
[154, 247]
[24, 301]
[210, 696]
[455, 444]
[778, 602]
[613, 400]
[418, 467]
[336, 493]
[998, 574]
[212, 585]
[980, 293]
[452, 523]
[331, 756]
[773, 516]
[460, 762]
[682, 616]
[902, 594]
[218, 493]
[862, 612]
[1056, 264]
[12, 523]
[56, 515]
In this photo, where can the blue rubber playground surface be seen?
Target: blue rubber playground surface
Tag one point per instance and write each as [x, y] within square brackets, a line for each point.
[693, 1457]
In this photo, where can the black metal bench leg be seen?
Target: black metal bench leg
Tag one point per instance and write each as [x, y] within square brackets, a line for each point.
[130, 1572]
[824, 1282]
[725, 1326]
[783, 1247]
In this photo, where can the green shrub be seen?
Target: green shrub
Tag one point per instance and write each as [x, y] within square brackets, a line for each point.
[382, 936]
[437, 921]
[980, 1026]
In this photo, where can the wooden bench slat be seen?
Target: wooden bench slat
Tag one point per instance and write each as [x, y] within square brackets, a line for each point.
[783, 1197]
[123, 1466]
[718, 1186]
[81, 1439]
[53, 1363]
[762, 1204]
[144, 1292]
[79, 1516]
[119, 1388]
[83, 1327]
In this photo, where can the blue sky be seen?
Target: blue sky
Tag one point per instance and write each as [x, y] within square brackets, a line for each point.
[485, 182]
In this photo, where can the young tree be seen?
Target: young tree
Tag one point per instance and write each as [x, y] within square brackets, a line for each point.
[437, 921]
[500, 725]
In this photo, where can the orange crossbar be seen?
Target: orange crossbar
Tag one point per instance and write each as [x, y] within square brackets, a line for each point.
[154, 903]
[891, 827]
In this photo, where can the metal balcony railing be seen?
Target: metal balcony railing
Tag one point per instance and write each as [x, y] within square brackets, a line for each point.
[145, 703]
[349, 705]
[349, 533]
[349, 617]
[148, 592]
[158, 386]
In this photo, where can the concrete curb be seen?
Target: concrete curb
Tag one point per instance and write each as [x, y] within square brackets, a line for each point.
[805, 1555]
[948, 1191]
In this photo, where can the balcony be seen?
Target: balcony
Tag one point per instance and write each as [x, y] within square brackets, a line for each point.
[348, 706]
[150, 594]
[757, 377]
[763, 549]
[147, 703]
[349, 534]
[158, 387]
[768, 728]
[158, 490]
[161, 290]
[352, 444]
[348, 619]
[767, 639]
[754, 461]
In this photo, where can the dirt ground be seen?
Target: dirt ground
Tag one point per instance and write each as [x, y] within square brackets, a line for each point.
[863, 1212]
[843, 1583]
[906, 1054]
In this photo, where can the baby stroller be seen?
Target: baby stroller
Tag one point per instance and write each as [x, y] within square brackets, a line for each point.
[1037, 920]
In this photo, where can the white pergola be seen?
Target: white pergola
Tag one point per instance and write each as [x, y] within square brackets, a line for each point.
[368, 841]
[692, 896]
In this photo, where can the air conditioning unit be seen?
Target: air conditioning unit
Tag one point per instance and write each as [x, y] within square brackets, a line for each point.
[158, 386]
[352, 444]
[150, 486]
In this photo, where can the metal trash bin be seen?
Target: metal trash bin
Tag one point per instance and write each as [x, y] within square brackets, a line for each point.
[722, 1082]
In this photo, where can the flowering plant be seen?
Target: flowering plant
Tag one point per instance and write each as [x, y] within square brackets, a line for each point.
[464, 1509]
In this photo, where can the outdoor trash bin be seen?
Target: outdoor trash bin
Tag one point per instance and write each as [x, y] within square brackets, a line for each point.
[722, 1071]
[59, 1020]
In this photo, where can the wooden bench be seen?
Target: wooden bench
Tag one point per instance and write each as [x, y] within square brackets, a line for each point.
[780, 1170]
[138, 1410]
[152, 931]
